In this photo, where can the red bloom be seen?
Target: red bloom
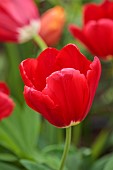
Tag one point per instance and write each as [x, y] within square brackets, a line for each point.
[97, 32]
[6, 104]
[19, 20]
[61, 84]
[52, 24]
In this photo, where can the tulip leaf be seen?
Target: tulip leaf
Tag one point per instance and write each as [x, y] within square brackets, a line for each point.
[19, 132]
[7, 157]
[50, 160]
[55, 135]
[30, 165]
[79, 159]
[4, 166]
[109, 164]
[101, 163]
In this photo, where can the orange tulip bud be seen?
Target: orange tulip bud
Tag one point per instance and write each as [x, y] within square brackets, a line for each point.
[52, 23]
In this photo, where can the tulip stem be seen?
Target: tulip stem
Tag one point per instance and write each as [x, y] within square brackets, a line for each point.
[13, 58]
[66, 148]
[40, 42]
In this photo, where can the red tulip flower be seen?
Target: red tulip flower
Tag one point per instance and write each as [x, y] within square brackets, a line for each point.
[19, 20]
[61, 84]
[97, 31]
[6, 103]
[52, 24]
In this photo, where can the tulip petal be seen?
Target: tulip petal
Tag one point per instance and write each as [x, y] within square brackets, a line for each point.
[15, 16]
[92, 12]
[6, 105]
[42, 104]
[17, 11]
[4, 88]
[77, 33]
[100, 35]
[46, 62]
[35, 71]
[70, 57]
[80, 35]
[69, 91]
[7, 36]
[93, 77]
[95, 12]
[28, 71]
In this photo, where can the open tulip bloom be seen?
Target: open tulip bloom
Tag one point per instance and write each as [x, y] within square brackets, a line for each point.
[61, 85]
[97, 31]
[6, 103]
[19, 20]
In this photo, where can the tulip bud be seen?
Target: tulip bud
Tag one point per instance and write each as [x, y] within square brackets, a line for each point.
[52, 23]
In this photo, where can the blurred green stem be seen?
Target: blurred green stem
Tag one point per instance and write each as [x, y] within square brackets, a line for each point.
[66, 148]
[76, 134]
[99, 144]
[40, 42]
[60, 133]
[14, 79]
[55, 134]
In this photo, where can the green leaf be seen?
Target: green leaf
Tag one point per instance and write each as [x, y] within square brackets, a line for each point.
[73, 162]
[52, 161]
[79, 159]
[30, 126]
[7, 157]
[101, 163]
[19, 132]
[55, 134]
[109, 164]
[30, 165]
[4, 166]
[9, 132]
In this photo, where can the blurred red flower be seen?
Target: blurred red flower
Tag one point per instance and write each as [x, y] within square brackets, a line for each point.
[6, 103]
[52, 24]
[19, 20]
[61, 84]
[97, 32]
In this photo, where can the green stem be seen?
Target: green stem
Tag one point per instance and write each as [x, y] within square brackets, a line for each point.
[40, 42]
[14, 79]
[66, 148]
[99, 144]
[76, 134]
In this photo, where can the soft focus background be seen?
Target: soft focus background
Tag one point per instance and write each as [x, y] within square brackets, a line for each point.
[28, 142]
